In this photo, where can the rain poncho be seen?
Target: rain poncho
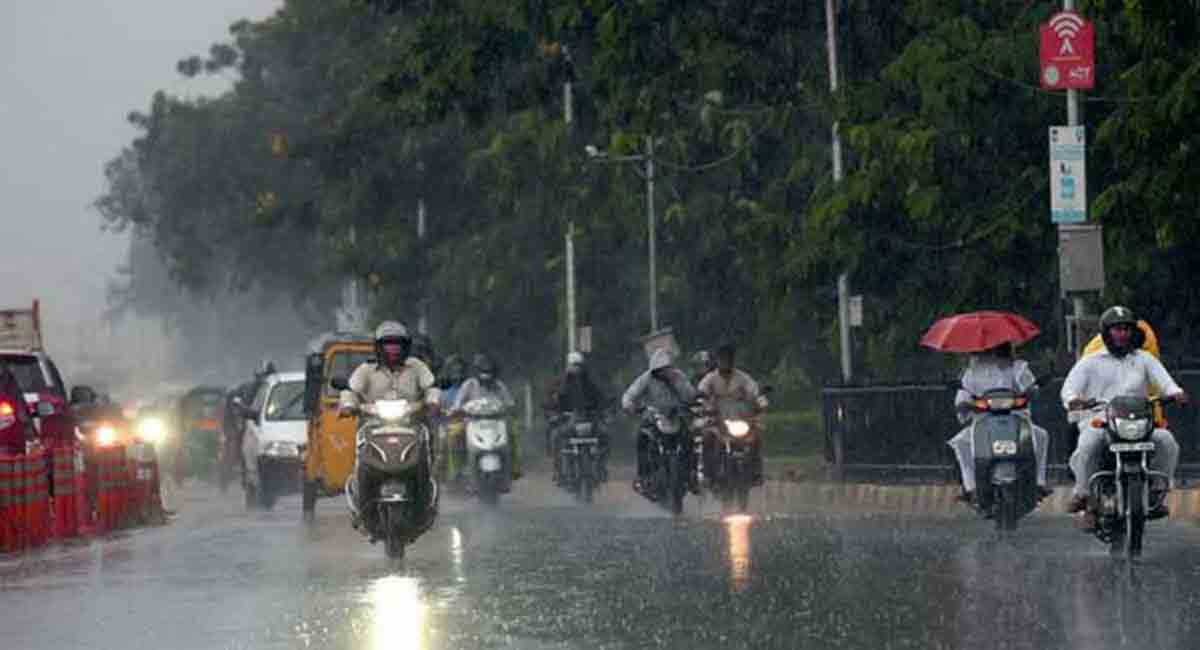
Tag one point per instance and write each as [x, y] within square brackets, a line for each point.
[662, 394]
[412, 381]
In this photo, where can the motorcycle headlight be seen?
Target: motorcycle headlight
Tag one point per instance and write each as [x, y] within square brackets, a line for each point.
[106, 436]
[1004, 447]
[1131, 428]
[737, 428]
[280, 449]
[393, 410]
[152, 430]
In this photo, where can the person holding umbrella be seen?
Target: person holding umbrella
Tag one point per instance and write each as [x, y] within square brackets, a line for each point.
[989, 338]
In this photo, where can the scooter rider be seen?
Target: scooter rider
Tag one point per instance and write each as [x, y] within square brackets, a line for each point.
[575, 392]
[727, 383]
[994, 369]
[483, 383]
[1122, 369]
[664, 387]
[393, 374]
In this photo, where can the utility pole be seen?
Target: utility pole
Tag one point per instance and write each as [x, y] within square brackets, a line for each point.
[569, 118]
[844, 278]
[651, 227]
[1080, 307]
[423, 321]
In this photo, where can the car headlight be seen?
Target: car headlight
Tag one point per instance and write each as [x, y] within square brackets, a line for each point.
[1132, 428]
[152, 430]
[106, 436]
[737, 428]
[280, 449]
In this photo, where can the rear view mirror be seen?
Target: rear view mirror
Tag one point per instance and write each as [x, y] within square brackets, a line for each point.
[45, 409]
[339, 383]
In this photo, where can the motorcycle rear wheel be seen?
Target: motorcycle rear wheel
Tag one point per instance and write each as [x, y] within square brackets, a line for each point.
[676, 484]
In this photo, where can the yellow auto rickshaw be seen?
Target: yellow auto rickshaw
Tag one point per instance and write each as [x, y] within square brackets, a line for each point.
[329, 455]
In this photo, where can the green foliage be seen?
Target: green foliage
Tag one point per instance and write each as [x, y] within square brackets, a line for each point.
[347, 114]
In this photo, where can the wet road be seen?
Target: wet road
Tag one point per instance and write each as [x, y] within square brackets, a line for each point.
[541, 573]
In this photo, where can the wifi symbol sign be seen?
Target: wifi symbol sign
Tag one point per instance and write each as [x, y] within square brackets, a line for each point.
[1068, 52]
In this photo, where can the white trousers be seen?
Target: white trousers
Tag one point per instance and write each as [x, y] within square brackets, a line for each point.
[963, 445]
[1092, 443]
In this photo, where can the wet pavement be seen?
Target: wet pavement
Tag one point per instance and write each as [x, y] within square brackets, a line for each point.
[542, 572]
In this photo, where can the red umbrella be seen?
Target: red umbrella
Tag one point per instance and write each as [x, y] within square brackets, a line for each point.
[978, 331]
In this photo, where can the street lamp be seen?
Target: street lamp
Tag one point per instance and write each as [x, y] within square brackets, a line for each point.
[648, 158]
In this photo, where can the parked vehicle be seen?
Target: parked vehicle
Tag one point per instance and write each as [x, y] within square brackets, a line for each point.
[274, 440]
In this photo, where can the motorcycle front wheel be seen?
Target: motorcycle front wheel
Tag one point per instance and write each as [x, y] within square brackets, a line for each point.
[1135, 516]
[676, 483]
[393, 530]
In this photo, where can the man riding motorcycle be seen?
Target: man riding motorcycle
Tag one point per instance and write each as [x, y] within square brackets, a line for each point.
[483, 383]
[994, 369]
[393, 374]
[574, 392]
[724, 384]
[1122, 369]
[664, 387]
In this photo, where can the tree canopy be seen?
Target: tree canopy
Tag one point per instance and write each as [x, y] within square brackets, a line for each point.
[348, 114]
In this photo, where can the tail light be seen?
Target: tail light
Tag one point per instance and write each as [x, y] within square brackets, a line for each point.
[8, 415]
[1098, 423]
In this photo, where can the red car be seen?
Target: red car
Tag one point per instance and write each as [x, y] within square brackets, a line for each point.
[16, 424]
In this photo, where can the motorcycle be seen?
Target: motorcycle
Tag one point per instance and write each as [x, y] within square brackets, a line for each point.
[393, 466]
[583, 453]
[1005, 462]
[1121, 488]
[489, 450]
[734, 430]
[670, 456]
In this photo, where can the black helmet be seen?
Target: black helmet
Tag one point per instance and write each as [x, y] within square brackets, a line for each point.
[1119, 315]
[484, 365]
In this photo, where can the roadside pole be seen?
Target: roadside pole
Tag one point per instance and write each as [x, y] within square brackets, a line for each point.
[569, 118]
[843, 282]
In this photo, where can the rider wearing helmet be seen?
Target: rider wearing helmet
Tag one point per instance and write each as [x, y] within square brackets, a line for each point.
[1122, 369]
[484, 382]
[574, 392]
[392, 374]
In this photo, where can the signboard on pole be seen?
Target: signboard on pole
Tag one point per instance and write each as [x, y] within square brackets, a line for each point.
[1068, 52]
[1081, 258]
[856, 311]
[584, 338]
[1068, 174]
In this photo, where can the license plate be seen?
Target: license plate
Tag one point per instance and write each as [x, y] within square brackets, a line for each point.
[489, 463]
[584, 441]
[1119, 447]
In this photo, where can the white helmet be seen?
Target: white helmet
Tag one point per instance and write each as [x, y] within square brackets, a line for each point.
[390, 329]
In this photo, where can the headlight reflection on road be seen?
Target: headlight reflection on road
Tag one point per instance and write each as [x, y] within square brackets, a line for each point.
[456, 554]
[398, 615]
[737, 528]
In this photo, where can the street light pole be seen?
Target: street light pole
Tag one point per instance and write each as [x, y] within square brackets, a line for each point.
[843, 283]
[650, 224]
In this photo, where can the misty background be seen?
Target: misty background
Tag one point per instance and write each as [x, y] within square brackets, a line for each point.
[70, 74]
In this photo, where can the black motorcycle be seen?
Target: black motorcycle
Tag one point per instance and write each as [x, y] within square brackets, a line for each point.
[1124, 489]
[1005, 462]
[582, 451]
[734, 431]
[393, 468]
[670, 458]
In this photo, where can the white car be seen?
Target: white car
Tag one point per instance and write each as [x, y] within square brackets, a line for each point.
[275, 440]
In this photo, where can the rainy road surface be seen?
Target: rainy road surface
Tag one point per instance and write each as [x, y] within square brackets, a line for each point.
[542, 573]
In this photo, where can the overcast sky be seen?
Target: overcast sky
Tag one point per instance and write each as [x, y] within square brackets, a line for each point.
[70, 71]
